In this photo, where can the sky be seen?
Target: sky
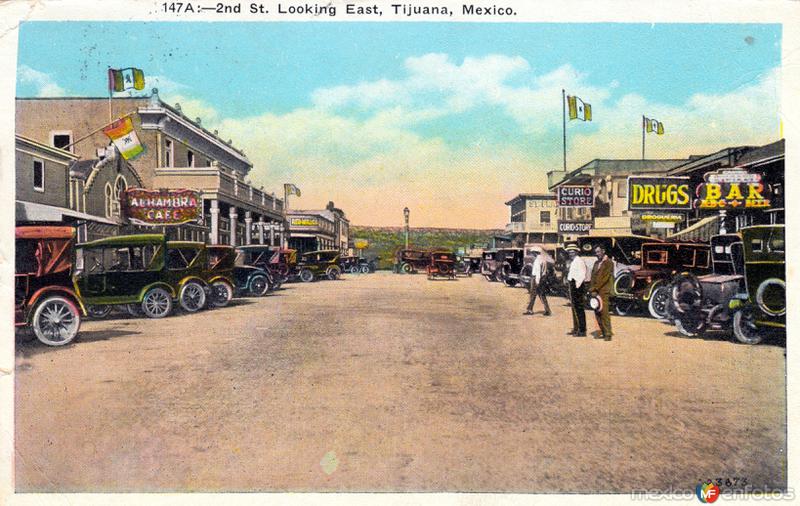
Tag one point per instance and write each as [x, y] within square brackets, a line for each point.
[448, 119]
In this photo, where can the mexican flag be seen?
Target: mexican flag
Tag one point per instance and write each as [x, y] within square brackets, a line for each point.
[654, 126]
[578, 109]
[124, 137]
[125, 79]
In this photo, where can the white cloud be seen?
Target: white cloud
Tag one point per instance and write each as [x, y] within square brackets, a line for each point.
[44, 83]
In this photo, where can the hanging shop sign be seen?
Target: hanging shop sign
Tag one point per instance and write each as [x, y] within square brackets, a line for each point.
[574, 227]
[162, 207]
[733, 189]
[575, 196]
[659, 193]
[304, 222]
[669, 218]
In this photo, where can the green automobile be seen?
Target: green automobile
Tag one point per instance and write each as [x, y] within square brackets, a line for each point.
[318, 264]
[143, 272]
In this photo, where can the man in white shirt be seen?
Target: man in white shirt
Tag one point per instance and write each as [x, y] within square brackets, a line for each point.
[537, 286]
[576, 277]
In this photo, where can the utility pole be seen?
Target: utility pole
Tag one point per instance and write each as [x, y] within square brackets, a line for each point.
[406, 213]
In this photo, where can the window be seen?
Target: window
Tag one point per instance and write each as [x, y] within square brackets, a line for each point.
[168, 153]
[656, 257]
[38, 175]
[180, 258]
[60, 139]
[120, 186]
[544, 217]
[208, 162]
[622, 189]
[109, 200]
[190, 159]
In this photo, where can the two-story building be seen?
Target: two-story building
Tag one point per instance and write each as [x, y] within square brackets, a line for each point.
[318, 229]
[533, 219]
[179, 154]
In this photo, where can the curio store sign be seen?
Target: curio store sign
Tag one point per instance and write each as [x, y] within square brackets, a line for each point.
[575, 196]
[162, 207]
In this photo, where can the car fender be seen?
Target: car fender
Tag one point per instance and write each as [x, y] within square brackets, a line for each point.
[49, 290]
[158, 284]
[655, 284]
[223, 278]
[185, 280]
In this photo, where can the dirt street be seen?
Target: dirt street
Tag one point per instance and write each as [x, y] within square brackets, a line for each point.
[394, 383]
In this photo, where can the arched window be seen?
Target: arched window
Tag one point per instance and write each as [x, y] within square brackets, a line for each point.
[109, 200]
[120, 185]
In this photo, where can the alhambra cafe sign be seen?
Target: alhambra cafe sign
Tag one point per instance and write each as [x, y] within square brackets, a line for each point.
[162, 207]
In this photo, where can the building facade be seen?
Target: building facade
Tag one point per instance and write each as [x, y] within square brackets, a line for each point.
[311, 230]
[533, 219]
[179, 154]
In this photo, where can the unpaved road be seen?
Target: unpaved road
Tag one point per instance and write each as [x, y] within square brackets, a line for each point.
[394, 383]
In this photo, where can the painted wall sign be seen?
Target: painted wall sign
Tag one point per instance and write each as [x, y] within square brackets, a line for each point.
[574, 227]
[663, 193]
[733, 189]
[575, 196]
[304, 222]
[162, 207]
[671, 218]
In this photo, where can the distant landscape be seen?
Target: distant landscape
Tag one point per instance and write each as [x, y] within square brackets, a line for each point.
[384, 241]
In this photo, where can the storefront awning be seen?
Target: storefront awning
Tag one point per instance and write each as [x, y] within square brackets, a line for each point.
[700, 231]
[33, 212]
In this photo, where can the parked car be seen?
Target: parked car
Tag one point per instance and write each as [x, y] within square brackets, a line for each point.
[410, 261]
[559, 256]
[649, 286]
[279, 262]
[490, 267]
[472, 264]
[441, 264]
[511, 261]
[349, 264]
[317, 264]
[625, 250]
[44, 296]
[763, 305]
[703, 302]
[225, 278]
[138, 271]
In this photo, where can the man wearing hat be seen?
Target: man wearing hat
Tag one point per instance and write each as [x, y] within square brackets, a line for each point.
[576, 276]
[537, 286]
[600, 288]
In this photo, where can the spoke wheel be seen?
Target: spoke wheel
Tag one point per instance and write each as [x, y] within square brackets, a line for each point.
[659, 302]
[193, 297]
[221, 293]
[364, 269]
[624, 307]
[259, 285]
[745, 327]
[691, 326]
[156, 303]
[99, 312]
[306, 276]
[333, 273]
[56, 321]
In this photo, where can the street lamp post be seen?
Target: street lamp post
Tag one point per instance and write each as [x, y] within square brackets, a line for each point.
[406, 212]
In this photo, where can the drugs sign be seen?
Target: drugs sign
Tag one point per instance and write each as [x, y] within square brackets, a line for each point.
[162, 207]
[732, 189]
[663, 193]
[575, 196]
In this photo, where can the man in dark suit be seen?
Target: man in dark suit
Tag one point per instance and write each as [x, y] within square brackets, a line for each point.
[601, 286]
[576, 276]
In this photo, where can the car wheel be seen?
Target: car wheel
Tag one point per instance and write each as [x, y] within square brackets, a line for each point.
[364, 269]
[56, 321]
[259, 285]
[333, 272]
[221, 293]
[510, 282]
[98, 312]
[745, 327]
[690, 327]
[156, 303]
[134, 310]
[406, 268]
[624, 307]
[192, 297]
[659, 302]
[306, 276]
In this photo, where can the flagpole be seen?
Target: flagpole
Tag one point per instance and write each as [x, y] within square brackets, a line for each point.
[285, 198]
[564, 125]
[643, 136]
[97, 130]
[110, 116]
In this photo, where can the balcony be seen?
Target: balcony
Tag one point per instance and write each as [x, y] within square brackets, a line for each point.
[219, 182]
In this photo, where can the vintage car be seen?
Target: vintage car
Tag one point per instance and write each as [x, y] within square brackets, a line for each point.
[410, 261]
[625, 250]
[472, 264]
[367, 265]
[317, 264]
[559, 256]
[279, 262]
[510, 261]
[225, 278]
[140, 272]
[44, 298]
[350, 264]
[763, 305]
[703, 302]
[649, 286]
[441, 264]
[490, 268]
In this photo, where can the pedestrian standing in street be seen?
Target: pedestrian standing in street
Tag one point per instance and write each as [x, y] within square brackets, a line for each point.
[576, 276]
[600, 287]
[537, 285]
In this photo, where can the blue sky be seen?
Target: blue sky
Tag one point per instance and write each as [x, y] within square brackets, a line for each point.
[466, 98]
